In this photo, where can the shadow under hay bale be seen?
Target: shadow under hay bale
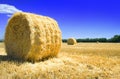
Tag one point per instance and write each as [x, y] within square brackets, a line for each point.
[9, 59]
[12, 59]
[4, 58]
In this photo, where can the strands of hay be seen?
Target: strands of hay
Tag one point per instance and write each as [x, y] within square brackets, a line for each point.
[71, 41]
[32, 37]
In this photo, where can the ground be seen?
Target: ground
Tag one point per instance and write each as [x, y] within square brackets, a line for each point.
[80, 61]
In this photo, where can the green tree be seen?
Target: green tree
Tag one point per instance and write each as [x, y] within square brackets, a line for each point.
[116, 38]
[1, 40]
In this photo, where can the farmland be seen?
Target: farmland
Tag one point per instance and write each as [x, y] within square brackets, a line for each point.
[80, 61]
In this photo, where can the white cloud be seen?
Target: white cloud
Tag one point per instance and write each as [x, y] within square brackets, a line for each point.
[9, 15]
[8, 9]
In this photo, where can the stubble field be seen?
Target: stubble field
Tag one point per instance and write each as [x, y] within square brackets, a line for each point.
[80, 61]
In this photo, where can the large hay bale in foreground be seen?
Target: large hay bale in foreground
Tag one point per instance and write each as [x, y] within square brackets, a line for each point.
[71, 41]
[32, 37]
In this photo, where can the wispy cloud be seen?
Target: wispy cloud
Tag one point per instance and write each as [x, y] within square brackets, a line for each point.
[8, 9]
[9, 15]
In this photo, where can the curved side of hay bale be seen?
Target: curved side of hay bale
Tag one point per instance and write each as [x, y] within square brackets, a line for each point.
[71, 41]
[32, 37]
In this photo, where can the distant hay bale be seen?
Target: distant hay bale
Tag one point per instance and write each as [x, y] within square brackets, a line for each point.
[32, 37]
[71, 41]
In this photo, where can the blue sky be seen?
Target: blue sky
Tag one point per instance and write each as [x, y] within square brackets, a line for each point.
[76, 18]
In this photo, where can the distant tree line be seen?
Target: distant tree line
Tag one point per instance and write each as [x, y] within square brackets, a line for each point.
[1, 40]
[115, 39]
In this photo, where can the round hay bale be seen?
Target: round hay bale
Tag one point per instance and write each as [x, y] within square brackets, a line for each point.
[32, 37]
[71, 41]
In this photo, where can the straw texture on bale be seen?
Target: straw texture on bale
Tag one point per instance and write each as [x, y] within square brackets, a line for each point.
[32, 37]
[71, 41]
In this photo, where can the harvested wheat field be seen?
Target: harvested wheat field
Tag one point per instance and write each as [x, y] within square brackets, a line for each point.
[80, 61]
